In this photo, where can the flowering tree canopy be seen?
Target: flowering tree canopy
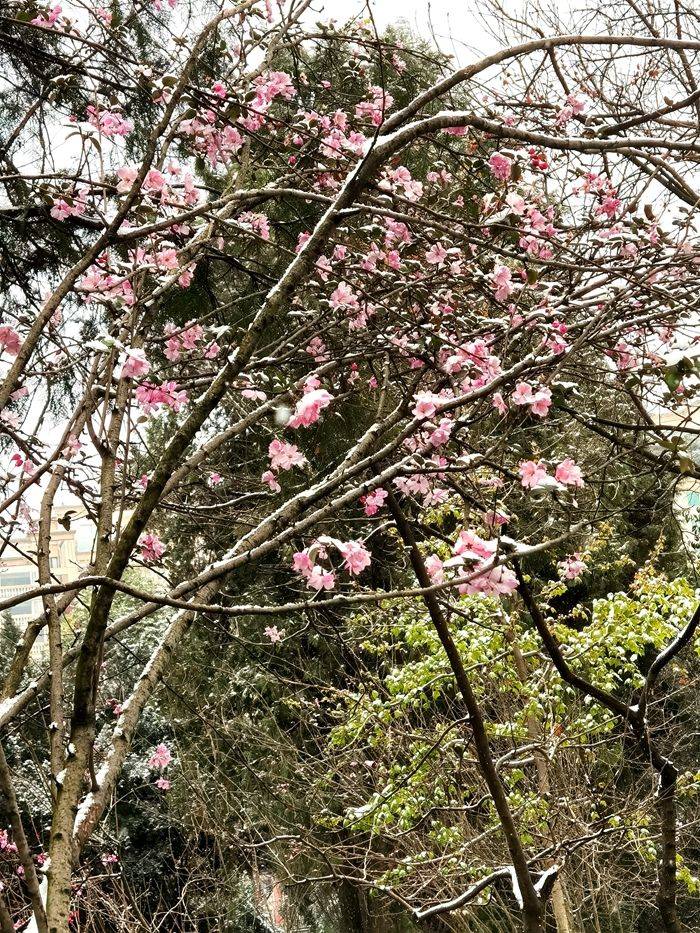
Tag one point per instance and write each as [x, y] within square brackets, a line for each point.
[298, 303]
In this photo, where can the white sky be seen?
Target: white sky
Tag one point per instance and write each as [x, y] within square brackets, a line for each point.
[454, 24]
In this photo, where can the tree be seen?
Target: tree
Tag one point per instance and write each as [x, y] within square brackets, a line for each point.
[365, 307]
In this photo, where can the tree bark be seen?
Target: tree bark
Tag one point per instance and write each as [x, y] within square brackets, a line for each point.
[532, 905]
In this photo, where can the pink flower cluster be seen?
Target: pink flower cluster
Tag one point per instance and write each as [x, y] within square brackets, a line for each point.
[108, 122]
[134, 364]
[268, 86]
[375, 108]
[49, 21]
[491, 581]
[150, 396]
[567, 473]
[98, 281]
[356, 558]
[160, 758]
[284, 456]
[501, 166]
[539, 400]
[374, 501]
[9, 340]
[571, 567]
[159, 761]
[187, 339]
[218, 144]
[310, 405]
[274, 634]
[63, 209]
[256, 223]
[152, 548]
[501, 281]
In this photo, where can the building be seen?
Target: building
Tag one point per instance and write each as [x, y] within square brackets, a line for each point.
[72, 538]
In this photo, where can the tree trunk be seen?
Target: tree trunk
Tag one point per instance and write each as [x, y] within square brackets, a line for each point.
[560, 906]
[666, 805]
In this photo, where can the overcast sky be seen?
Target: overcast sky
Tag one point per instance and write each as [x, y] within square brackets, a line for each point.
[453, 23]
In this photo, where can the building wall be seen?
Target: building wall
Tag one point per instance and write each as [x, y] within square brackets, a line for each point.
[70, 554]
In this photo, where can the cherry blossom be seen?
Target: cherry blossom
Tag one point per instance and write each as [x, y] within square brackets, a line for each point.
[284, 456]
[531, 473]
[357, 557]
[571, 567]
[309, 407]
[501, 166]
[568, 473]
[373, 501]
[152, 548]
[134, 364]
[9, 340]
[161, 757]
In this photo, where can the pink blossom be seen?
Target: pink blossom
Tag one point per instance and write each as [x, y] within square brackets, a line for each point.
[191, 335]
[215, 479]
[357, 557]
[425, 404]
[302, 563]
[343, 297]
[154, 180]
[373, 501]
[523, 394]
[166, 258]
[219, 88]
[284, 456]
[501, 278]
[571, 567]
[309, 407]
[274, 634]
[501, 166]
[610, 206]
[442, 432]
[434, 567]
[542, 402]
[152, 548]
[151, 396]
[9, 340]
[498, 581]
[21, 462]
[258, 223]
[271, 480]
[160, 758]
[470, 545]
[109, 123]
[126, 176]
[73, 446]
[499, 404]
[436, 255]
[320, 579]
[163, 784]
[62, 209]
[133, 364]
[569, 473]
[531, 473]
[516, 203]
[495, 518]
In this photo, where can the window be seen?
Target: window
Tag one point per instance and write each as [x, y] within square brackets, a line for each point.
[693, 498]
[16, 578]
[23, 609]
